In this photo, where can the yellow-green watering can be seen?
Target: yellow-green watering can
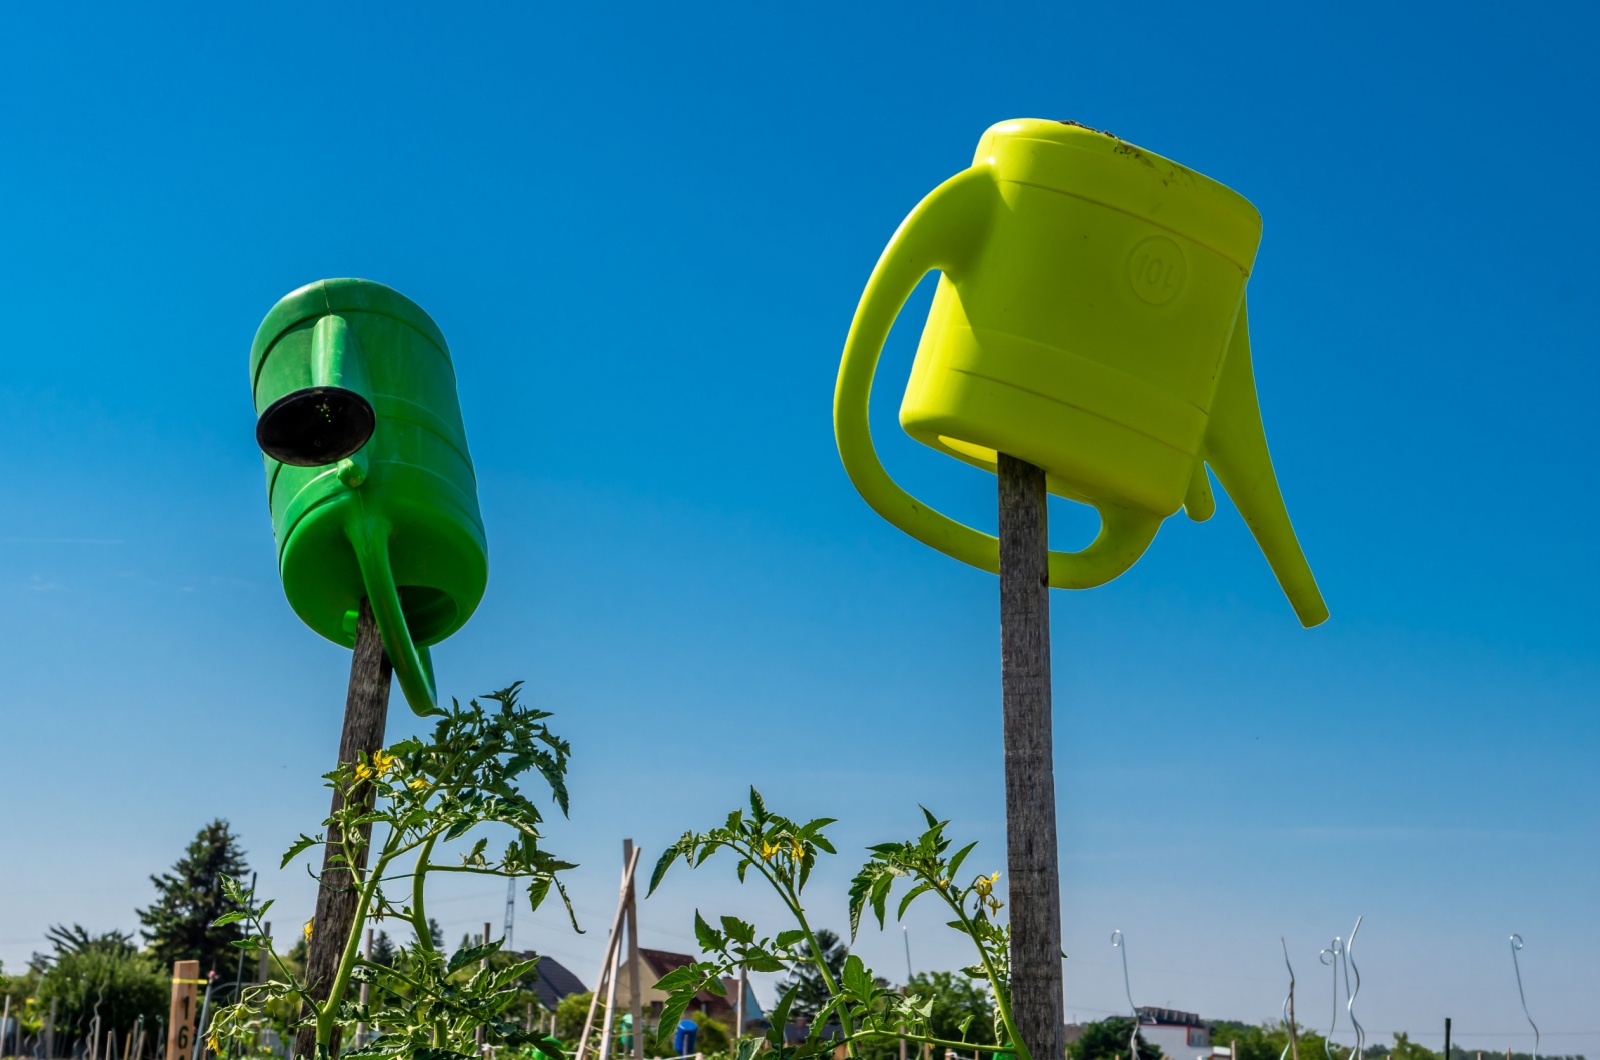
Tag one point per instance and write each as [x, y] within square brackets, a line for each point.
[368, 476]
[1090, 320]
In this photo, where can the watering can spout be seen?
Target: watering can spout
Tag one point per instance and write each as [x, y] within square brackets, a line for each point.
[1236, 448]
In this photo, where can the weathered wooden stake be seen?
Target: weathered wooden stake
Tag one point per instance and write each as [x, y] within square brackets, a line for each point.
[636, 1007]
[183, 1014]
[1031, 858]
[366, 709]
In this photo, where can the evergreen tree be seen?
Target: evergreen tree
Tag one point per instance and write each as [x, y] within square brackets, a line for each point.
[383, 950]
[178, 927]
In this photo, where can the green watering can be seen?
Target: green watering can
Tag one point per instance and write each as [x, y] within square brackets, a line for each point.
[369, 480]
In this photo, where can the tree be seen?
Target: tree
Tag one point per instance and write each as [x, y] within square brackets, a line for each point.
[813, 992]
[99, 975]
[1107, 1039]
[1406, 1049]
[383, 950]
[956, 1000]
[712, 1036]
[570, 1013]
[1268, 1040]
[179, 926]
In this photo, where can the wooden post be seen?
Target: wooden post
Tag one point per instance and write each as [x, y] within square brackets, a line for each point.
[366, 709]
[637, 1007]
[608, 965]
[184, 1013]
[1031, 858]
[50, 1032]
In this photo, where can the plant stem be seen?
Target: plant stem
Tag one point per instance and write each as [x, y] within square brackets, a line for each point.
[1001, 1000]
[792, 900]
[352, 948]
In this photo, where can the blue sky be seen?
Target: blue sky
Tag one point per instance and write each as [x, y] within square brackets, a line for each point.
[643, 231]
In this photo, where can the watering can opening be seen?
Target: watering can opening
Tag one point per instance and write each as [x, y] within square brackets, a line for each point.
[316, 426]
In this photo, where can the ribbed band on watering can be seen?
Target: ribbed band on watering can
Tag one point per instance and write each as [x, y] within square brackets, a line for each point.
[369, 479]
[1090, 320]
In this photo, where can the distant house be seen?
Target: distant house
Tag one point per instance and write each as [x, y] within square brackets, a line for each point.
[554, 981]
[1179, 1035]
[656, 963]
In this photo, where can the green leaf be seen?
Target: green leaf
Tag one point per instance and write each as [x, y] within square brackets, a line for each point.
[738, 930]
[300, 846]
[780, 1015]
[961, 855]
[705, 934]
[789, 938]
[911, 896]
[857, 980]
[664, 862]
[228, 918]
[472, 954]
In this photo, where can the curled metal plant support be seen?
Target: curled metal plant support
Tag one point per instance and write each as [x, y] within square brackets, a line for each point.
[1516, 944]
[1350, 1005]
[1291, 1046]
[1330, 958]
[1118, 942]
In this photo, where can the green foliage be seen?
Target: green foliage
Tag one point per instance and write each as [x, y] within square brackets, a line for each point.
[1108, 1039]
[570, 1014]
[962, 1009]
[23, 988]
[784, 852]
[99, 974]
[425, 1005]
[713, 1034]
[1268, 1041]
[1406, 1049]
[182, 925]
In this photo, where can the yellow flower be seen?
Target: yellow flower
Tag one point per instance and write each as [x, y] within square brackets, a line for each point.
[943, 884]
[307, 930]
[383, 762]
[985, 884]
[994, 905]
[799, 851]
[767, 850]
[213, 1044]
[418, 784]
[363, 771]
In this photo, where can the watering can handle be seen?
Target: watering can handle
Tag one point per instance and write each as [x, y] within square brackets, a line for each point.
[939, 234]
[412, 665]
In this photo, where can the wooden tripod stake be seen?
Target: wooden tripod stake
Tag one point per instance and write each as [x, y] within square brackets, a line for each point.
[606, 983]
[1031, 857]
[366, 709]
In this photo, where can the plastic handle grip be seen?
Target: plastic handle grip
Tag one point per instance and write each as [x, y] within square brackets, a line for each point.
[940, 233]
[413, 666]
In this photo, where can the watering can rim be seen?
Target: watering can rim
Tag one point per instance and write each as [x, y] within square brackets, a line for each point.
[346, 294]
[1095, 165]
